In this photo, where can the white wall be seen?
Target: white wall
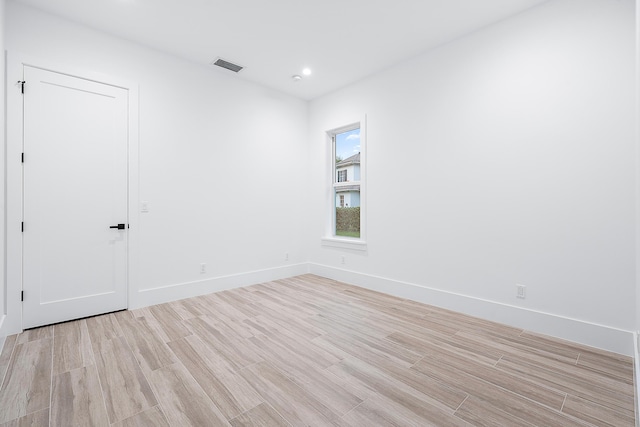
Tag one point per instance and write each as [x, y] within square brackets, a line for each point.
[3, 289]
[516, 146]
[204, 137]
[637, 299]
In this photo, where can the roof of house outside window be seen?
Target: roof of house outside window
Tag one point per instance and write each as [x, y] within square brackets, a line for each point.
[347, 188]
[353, 160]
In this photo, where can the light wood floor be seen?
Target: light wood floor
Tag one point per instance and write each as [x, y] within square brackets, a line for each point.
[305, 351]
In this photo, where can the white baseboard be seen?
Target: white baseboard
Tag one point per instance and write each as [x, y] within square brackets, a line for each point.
[3, 333]
[595, 335]
[636, 373]
[159, 295]
[591, 334]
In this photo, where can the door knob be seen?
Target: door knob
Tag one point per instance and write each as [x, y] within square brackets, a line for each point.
[119, 226]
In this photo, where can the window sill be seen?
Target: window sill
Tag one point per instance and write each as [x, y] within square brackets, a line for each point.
[336, 242]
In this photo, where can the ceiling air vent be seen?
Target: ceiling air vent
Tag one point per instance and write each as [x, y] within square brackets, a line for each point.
[228, 65]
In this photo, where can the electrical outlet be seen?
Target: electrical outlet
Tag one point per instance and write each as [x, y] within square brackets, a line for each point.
[144, 206]
[521, 291]
[286, 256]
[342, 260]
[203, 268]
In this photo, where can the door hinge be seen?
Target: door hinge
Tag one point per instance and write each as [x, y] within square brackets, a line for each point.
[22, 158]
[22, 227]
[21, 295]
[22, 82]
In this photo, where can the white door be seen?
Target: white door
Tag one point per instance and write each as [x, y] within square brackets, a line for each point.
[75, 191]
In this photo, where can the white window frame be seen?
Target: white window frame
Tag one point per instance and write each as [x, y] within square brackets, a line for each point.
[330, 239]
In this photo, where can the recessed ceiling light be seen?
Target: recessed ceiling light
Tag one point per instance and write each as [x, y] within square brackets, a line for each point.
[296, 78]
[306, 71]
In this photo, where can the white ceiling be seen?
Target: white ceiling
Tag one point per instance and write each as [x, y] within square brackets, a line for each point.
[342, 41]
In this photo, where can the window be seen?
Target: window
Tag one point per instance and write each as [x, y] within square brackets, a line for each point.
[345, 220]
[347, 193]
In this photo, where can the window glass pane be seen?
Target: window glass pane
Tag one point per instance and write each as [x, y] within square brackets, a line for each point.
[347, 197]
[348, 211]
[348, 156]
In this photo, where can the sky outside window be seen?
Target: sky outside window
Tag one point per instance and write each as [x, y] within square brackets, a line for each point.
[347, 144]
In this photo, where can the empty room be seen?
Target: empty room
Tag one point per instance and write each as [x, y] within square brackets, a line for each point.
[319, 213]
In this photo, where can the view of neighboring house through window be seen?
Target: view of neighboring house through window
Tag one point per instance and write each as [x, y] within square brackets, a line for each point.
[347, 183]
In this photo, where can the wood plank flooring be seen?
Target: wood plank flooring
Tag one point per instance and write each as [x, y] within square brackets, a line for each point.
[305, 351]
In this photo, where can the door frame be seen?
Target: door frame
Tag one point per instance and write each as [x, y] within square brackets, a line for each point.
[14, 188]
